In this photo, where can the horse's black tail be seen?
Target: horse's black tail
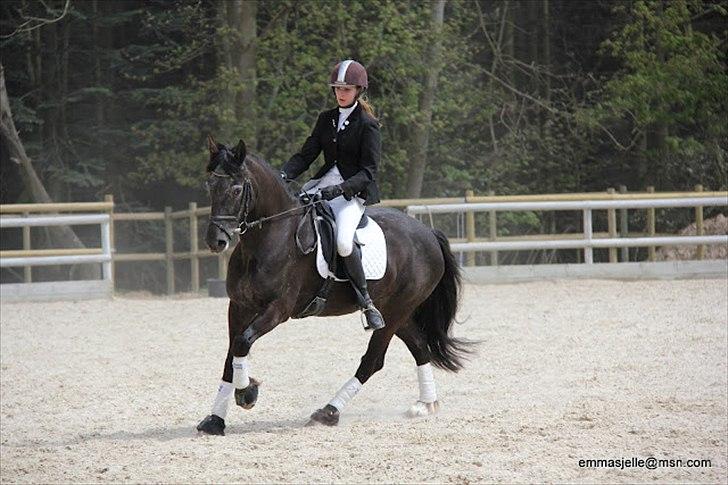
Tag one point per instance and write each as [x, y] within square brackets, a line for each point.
[436, 314]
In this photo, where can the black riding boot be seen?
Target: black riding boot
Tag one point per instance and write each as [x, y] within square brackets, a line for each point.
[375, 320]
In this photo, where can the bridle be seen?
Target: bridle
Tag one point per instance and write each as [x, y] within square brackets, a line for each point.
[242, 218]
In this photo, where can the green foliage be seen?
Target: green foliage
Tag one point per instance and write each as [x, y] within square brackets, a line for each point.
[533, 97]
[127, 104]
[672, 73]
[671, 87]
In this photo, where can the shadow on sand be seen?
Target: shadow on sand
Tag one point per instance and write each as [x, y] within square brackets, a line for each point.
[170, 433]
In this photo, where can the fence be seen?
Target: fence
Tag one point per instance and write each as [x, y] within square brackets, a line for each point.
[614, 203]
[195, 254]
[586, 203]
[62, 289]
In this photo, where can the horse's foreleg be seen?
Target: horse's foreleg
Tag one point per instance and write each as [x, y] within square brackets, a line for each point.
[246, 388]
[371, 362]
[417, 345]
[215, 422]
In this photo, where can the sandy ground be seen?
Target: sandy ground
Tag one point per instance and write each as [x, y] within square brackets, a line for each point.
[111, 391]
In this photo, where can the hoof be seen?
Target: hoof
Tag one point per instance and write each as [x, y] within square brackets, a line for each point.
[212, 425]
[420, 409]
[246, 398]
[328, 416]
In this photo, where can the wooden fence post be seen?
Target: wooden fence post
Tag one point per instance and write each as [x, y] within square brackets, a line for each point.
[651, 226]
[27, 270]
[222, 266]
[469, 230]
[700, 228]
[624, 225]
[112, 237]
[492, 232]
[169, 249]
[194, 259]
[612, 228]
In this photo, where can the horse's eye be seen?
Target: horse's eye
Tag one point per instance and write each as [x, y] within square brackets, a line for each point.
[237, 189]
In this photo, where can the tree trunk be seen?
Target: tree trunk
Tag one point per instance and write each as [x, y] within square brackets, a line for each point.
[67, 144]
[246, 53]
[509, 39]
[61, 236]
[99, 101]
[659, 130]
[422, 129]
[223, 46]
[546, 63]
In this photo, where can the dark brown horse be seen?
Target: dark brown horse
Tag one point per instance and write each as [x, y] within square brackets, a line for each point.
[269, 281]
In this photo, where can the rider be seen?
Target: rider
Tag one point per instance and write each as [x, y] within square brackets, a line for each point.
[350, 139]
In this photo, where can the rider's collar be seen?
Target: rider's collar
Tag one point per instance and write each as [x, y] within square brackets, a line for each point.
[348, 109]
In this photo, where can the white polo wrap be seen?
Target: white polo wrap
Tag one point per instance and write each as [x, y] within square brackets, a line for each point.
[427, 383]
[241, 372]
[222, 400]
[346, 393]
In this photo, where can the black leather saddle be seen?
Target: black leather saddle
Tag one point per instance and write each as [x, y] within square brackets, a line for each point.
[327, 232]
[320, 219]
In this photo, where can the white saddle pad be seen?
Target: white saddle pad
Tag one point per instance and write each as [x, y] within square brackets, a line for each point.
[373, 252]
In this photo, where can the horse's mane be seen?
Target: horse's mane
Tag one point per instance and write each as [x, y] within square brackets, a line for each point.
[224, 159]
[272, 173]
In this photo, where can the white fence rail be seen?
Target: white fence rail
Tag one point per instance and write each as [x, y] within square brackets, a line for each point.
[61, 289]
[588, 243]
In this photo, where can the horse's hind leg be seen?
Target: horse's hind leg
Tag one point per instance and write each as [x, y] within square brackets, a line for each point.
[415, 341]
[371, 362]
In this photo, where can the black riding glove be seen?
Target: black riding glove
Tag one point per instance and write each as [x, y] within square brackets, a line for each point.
[332, 192]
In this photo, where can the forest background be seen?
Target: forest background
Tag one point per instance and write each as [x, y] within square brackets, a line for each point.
[516, 97]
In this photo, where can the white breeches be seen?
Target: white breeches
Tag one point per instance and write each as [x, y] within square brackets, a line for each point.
[347, 212]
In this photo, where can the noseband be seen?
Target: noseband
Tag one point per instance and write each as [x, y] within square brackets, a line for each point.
[242, 218]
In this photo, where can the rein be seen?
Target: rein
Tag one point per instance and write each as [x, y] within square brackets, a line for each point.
[245, 225]
[242, 218]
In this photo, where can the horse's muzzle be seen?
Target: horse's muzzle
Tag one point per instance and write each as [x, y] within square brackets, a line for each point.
[217, 240]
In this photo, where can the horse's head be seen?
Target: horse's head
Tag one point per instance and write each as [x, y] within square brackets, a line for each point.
[231, 193]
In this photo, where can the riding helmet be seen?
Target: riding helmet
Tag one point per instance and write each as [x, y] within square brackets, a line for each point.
[349, 73]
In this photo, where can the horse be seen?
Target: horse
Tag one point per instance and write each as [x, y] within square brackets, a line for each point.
[270, 280]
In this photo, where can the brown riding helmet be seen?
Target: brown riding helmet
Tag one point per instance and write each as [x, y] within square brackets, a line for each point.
[349, 73]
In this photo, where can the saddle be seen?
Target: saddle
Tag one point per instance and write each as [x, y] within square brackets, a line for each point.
[317, 232]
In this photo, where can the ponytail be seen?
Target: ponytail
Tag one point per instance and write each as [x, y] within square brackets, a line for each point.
[367, 106]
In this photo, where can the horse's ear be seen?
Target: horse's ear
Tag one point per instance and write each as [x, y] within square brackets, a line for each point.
[240, 152]
[212, 145]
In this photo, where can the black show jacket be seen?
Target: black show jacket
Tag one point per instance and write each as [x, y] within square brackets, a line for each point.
[355, 150]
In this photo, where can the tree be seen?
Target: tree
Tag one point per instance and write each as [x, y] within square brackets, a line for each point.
[671, 91]
[421, 135]
[61, 236]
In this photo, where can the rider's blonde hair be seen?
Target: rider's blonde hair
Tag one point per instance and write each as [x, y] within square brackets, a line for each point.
[366, 105]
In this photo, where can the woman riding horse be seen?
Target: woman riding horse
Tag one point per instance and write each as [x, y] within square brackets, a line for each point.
[270, 279]
[348, 178]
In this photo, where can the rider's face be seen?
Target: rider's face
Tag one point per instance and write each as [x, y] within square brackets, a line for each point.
[345, 95]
